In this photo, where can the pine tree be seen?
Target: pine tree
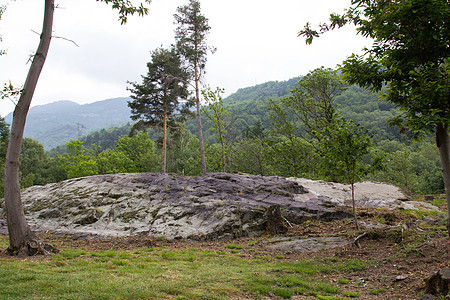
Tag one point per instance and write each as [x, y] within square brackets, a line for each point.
[191, 43]
[162, 96]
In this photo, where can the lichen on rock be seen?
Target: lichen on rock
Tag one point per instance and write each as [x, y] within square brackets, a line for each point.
[215, 206]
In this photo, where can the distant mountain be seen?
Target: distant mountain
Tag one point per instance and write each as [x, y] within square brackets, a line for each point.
[56, 123]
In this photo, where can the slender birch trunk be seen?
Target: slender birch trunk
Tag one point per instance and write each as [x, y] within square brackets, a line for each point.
[354, 206]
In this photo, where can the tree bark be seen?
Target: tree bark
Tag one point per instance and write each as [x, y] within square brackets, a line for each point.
[164, 145]
[443, 143]
[222, 142]
[20, 235]
[223, 156]
[199, 119]
[354, 206]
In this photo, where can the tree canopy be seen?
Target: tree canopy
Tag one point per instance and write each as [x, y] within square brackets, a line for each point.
[162, 97]
[410, 55]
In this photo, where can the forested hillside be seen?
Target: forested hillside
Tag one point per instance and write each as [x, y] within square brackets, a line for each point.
[248, 106]
[56, 123]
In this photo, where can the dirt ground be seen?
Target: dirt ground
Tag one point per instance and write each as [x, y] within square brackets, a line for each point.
[400, 257]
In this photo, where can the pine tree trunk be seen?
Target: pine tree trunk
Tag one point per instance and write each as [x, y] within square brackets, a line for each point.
[443, 143]
[20, 235]
[199, 121]
[164, 145]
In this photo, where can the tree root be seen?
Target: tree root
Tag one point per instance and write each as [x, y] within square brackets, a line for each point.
[34, 247]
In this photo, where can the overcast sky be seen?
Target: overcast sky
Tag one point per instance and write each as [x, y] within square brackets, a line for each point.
[256, 41]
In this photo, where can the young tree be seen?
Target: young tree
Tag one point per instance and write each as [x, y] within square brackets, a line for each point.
[312, 101]
[190, 38]
[219, 116]
[411, 56]
[111, 161]
[343, 147]
[78, 161]
[283, 125]
[140, 149]
[184, 152]
[21, 239]
[161, 96]
[251, 154]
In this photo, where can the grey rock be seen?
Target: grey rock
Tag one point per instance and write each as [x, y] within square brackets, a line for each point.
[3, 226]
[367, 194]
[438, 220]
[401, 277]
[215, 206]
[307, 245]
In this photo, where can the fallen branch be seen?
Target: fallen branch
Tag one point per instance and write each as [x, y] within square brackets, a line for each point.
[286, 220]
[356, 241]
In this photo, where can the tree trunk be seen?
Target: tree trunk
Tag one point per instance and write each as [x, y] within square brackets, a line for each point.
[164, 145]
[20, 235]
[199, 121]
[443, 143]
[223, 157]
[222, 143]
[354, 206]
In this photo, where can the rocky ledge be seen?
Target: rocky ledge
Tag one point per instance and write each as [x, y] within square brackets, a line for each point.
[216, 206]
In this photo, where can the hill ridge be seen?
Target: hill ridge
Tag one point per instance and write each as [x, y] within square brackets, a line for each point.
[55, 123]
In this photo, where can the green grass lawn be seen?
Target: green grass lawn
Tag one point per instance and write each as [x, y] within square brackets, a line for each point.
[162, 273]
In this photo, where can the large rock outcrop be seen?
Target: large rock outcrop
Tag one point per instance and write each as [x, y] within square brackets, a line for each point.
[216, 206]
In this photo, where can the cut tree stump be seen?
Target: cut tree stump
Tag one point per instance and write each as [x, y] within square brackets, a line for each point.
[439, 283]
[275, 223]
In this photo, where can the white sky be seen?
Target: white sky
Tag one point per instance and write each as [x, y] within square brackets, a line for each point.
[256, 42]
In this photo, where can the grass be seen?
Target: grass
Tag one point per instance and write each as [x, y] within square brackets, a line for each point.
[163, 273]
[376, 291]
[233, 246]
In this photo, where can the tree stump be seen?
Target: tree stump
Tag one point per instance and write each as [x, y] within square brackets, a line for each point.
[275, 223]
[439, 283]
[429, 198]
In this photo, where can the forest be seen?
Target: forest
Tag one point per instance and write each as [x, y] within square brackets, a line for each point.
[254, 143]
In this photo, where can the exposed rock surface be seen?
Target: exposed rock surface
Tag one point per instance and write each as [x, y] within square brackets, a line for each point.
[307, 245]
[216, 206]
[367, 194]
